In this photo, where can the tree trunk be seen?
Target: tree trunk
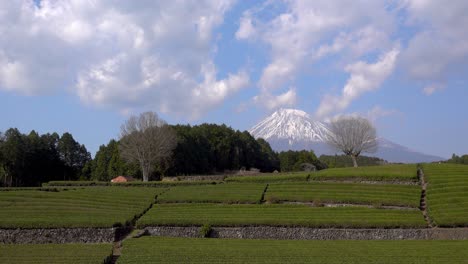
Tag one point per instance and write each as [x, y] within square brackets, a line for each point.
[146, 172]
[354, 161]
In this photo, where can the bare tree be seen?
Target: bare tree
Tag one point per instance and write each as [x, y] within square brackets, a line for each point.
[352, 135]
[148, 140]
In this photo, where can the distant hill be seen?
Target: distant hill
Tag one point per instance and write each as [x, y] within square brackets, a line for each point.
[292, 129]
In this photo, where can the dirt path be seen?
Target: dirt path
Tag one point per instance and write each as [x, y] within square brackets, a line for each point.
[423, 201]
[126, 232]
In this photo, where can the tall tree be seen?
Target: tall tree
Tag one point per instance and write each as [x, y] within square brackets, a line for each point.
[73, 155]
[148, 140]
[352, 135]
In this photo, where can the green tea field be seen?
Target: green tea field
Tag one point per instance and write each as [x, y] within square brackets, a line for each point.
[199, 250]
[53, 253]
[83, 207]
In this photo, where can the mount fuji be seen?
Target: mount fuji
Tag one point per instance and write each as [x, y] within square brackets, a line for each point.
[292, 129]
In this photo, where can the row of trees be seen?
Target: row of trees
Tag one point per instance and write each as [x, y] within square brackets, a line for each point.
[341, 161]
[463, 159]
[299, 160]
[202, 149]
[29, 160]
[150, 148]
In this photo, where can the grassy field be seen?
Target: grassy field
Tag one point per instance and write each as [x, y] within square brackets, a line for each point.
[84, 207]
[406, 172]
[278, 215]
[373, 194]
[447, 194]
[54, 253]
[270, 177]
[193, 250]
[219, 193]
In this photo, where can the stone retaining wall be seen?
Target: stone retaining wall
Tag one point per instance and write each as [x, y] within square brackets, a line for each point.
[313, 233]
[58, 235]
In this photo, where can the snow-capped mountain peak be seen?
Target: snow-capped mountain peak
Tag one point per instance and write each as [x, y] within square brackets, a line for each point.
[292, 129]
[292, 124]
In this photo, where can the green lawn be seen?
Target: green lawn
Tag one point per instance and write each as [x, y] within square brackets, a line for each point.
[54, 253]
[373, 194]
[278, 215]
[84, 207]
[202, 250]
[447, 194]
[219, 193]
[405, 172]
[271, 177]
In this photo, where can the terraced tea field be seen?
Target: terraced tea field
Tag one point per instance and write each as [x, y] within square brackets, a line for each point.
[447, 194]
[278, 215]
[55, 253]
[371, 194]
[405, 172]
[219, 193]
[169, 250]
[84, 207]
[272, 177]
[238, 202]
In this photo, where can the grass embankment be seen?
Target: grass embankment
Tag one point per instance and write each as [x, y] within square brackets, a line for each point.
[405, 172]
[55, 253]
[199, 250]
[447, 194]
[278, 215]
[271, 177]
[371, 194]
[219, 193]
[84, 207]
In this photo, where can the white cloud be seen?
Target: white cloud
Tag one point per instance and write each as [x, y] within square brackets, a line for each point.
[364, 77]
[298, 36]
[377, 112]
[440, 45]
[271, 102]
[432, 88]
[117, 54]
[295, 35]
[246, 29]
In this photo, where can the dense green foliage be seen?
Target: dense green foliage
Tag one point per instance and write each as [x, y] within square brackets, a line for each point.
[273, 177]
[55, 253]
[29, 160]
[202, 149]
[296, 160]
[210, 148]
[107, 164]
[341, 161]
[458, 159]
[199, 250]
[447, 194]
[372, 194]
[405, 172]
[219, 193]
[278, 215]
[84, 207]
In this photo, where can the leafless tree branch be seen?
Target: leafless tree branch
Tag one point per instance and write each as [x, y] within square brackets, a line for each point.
[353, 136]
[148, 140]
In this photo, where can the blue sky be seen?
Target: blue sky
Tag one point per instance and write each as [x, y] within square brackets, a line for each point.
[85, 66]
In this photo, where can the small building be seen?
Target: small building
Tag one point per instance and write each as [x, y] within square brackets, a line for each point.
[122, 179]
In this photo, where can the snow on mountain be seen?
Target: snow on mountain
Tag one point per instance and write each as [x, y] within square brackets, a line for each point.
[294, 125]
[292, 129]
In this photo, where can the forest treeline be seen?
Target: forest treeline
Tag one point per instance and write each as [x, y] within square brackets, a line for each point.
[31, 159]
[463, 159]
[341, 161]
